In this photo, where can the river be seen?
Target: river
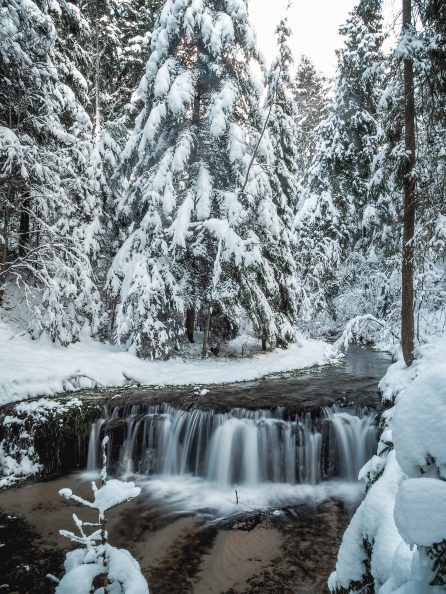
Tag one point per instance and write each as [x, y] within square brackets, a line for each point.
[290, 446]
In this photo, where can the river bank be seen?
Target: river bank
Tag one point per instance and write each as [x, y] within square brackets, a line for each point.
[30, 368]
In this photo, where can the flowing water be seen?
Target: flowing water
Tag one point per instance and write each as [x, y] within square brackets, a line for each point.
[240, 447]
[246, 489]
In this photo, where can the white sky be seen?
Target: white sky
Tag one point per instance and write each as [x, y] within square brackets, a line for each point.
[315, 25]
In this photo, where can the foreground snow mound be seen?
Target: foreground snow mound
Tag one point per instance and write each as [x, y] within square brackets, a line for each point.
[372, 539]
[419, 424]
[123, 570]
[420, 511]
[40, 368]
[396, 542]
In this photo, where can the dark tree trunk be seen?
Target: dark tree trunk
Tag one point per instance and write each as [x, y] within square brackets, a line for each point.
[264, 345]
[190, 324]
[207, 326]
[408, 297]
[24, 227]
[4, 248]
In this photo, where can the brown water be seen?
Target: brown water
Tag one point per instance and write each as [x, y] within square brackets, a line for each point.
[178, 552]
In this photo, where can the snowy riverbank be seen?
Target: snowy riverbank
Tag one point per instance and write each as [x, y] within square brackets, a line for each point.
[396, 537]
[39, 368]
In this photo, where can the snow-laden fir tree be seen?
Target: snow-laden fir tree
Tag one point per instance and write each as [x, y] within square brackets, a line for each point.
[335, 219]
[199, 218]
[386, 185]
[310, 90]
[283, 132]
[47, 209]
[136, 23]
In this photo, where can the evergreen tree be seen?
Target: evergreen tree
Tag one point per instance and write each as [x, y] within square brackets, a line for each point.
[310, 89]
[335, 219]
[199, 214]
[283, 134]
[44, 147]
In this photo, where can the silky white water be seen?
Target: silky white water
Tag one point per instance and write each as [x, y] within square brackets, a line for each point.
[239, 448]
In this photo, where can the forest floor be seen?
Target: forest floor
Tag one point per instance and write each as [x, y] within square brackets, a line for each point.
[39, 368]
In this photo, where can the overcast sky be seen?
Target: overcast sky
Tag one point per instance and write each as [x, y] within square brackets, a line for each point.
[315, 25]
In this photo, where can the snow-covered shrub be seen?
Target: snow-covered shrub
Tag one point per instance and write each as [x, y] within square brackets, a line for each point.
[396, 542]
[98, 566]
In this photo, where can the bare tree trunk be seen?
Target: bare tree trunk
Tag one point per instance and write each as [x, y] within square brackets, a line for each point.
[190, 324]
[4, 247]
[408, 298]
[206, 331]
[264, 345]
[24, 231]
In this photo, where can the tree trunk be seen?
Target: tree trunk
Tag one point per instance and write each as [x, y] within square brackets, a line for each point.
[190, 324]
[206, 331]
[24, 227]
[264, 345]
[408, 298]
[4, 248]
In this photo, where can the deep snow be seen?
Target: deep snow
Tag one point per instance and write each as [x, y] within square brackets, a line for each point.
[40, 368]
[404, 509]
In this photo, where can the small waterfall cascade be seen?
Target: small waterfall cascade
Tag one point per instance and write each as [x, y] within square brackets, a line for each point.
[93, 455]
[240, 447]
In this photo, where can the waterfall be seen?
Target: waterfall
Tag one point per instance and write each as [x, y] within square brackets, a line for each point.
[240, 447]
[93, 456]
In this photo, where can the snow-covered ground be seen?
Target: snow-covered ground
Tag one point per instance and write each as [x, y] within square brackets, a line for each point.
[400, 527]
[40, 368]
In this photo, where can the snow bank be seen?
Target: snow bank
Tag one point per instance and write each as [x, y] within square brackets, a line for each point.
[420, 511]
[372, 526]
[419, 424]
[397, 537]
[39, 368]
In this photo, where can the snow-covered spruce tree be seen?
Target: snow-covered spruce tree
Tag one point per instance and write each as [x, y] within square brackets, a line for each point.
[431, 123]
[199, 218]
[98, 566]
[136, 24]
[334, 218]
[283, 133]
[387, 180]
[44, 148]
[117, 42]
[311, 96]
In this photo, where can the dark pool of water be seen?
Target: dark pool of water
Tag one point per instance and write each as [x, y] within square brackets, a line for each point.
[354, 381]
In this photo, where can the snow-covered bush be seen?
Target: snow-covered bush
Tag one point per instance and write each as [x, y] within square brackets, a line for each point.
[396, 542]
[98, 566]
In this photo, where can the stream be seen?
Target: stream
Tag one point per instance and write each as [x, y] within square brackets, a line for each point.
[246, 488]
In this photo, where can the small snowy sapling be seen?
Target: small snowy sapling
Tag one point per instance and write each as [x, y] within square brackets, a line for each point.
[97, 566]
